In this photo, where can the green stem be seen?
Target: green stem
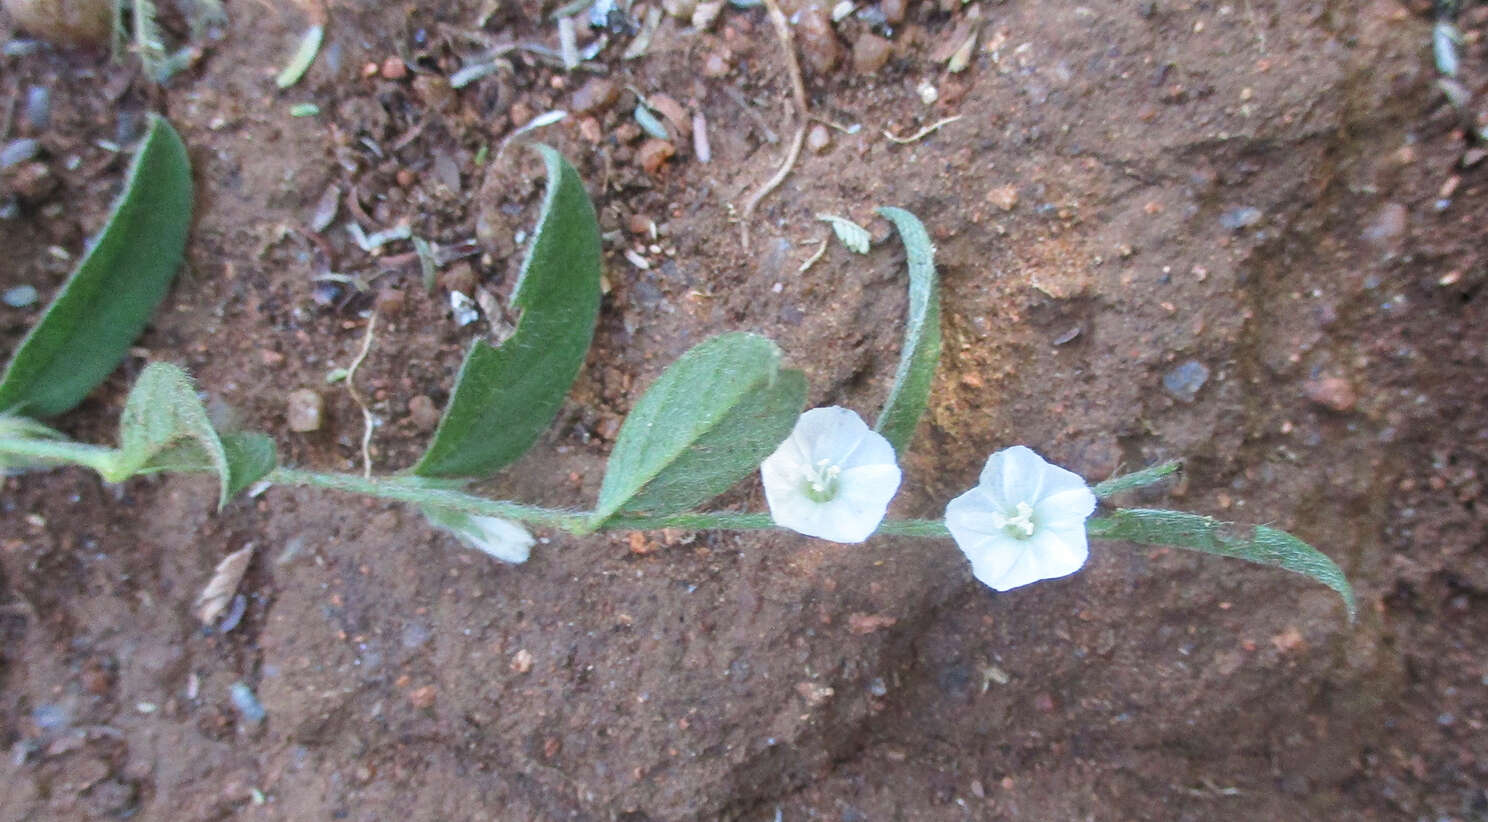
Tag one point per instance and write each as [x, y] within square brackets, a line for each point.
[748, 521]
[424, 492]
[415, 490]
[96, 457]
[418, 491]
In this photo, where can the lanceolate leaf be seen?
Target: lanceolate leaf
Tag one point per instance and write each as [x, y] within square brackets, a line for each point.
[165, 428]
[1136, 479]
[1263, 545]
[504, 397]
[921, 352]
[708, 421]
[109, 298]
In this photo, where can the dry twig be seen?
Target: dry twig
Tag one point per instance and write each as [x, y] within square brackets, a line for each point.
[782, 28]
[924, 132]
[356, 397]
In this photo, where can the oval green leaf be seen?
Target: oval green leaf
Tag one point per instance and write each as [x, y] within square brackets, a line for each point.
[1263, 545]
[505, 397]
[921, 353]
[108, 299]
[708, 421]
[165, 427]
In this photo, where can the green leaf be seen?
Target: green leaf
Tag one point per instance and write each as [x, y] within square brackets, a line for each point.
[1136, 479]
[165, 427]
[500, 538]
[504, 397]
[109, 298]
[1264, 545]
[304, 55]
[855, 237]
[250, 458]
[708, 420]
[921, 352]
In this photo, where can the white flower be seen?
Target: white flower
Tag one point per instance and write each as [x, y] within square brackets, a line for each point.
[832, 478]
[1025, 520]
[503, 539]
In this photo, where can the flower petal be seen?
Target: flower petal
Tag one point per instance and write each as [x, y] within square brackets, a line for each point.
[829, 433]
[1045, 555]
[1059, 501]
[866, 478]
[1068, 504]
[1014, 475]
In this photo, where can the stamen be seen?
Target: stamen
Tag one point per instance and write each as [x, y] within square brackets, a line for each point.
[1020, 525]
[821, 481]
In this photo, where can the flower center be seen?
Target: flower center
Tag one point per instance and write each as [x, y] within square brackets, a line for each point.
[821, 482]
[1020, 525]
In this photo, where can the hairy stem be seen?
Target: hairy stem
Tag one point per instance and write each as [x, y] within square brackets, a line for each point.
[415, 490]
[96, 457]
[421, 492]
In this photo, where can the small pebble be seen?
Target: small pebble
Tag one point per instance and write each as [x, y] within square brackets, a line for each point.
[674, 114]
[423, 412]
[818, 139]
[246, 703]
[459, 277]
[817, 39]
[20, 296]
[70, 23]
[653, 154]
[598, 94]
[1449, 187]
[520, 114]
[639, 224]
[38, 109]
[463, 308]
[423, 697]
[1331, 392]
[50, 717]
[1473, 156]
[32, 181]
[235, 612]
[1387, 227]
[393, 68]
[893, 11]
[706, 13]
[715, 66]
[700, 145]
[1004, 197]
[389, 302]
[1185, 380]
[870, 53]
[1068, 336]
[304, 410]
[19, 151]
[1238, 218]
